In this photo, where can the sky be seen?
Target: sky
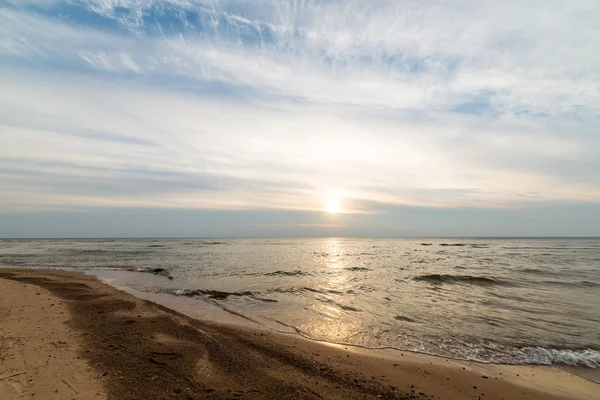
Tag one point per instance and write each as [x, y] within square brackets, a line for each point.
[172, 118]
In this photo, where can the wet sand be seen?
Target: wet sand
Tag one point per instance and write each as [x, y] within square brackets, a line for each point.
[66, 335]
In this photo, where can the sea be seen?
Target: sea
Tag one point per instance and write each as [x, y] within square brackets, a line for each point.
[492, 300]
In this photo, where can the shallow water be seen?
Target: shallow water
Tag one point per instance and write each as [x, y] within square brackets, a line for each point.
[515, 301]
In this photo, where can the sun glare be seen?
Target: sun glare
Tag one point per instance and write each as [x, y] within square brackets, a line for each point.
[333, 206]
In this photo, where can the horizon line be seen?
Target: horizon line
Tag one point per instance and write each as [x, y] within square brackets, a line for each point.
[292, 237]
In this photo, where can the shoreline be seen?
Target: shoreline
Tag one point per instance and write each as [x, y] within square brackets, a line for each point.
[200, 309]
[144, 347]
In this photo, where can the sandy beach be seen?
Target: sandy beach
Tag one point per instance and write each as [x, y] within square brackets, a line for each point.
[66, 335]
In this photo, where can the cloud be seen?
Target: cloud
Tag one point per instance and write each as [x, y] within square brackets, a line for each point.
[273, 104]
[528, 58]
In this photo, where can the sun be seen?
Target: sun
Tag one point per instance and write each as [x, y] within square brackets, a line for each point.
[333, 206]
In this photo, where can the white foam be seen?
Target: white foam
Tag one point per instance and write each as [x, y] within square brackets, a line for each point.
[539, 355]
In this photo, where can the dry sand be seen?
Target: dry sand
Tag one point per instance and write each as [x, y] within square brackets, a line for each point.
[65, 335]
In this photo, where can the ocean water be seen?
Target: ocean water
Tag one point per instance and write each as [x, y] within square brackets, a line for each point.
[514, 301]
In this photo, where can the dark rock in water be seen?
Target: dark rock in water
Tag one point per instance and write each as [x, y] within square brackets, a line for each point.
[161, 272]
[156, 271]
[219, 295]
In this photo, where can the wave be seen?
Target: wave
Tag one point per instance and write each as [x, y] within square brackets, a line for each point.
[550, 248]
[534, 271]
[286, 273]
[494, 354]
[590, 284]
[298, 290]
[13, 263]
[541, 272]
[215, 294]
[195, 243]
[340, 305]
[358, 269]
[473, 245]
[105, 252]
[322, 291]
[464, 279]
[547, 356]
[571, 284]
[404, 318]
[347, 308]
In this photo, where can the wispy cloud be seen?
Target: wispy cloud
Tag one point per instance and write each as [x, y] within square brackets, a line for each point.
[274, 104]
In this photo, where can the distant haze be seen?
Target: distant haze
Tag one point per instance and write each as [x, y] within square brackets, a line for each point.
[173, 118]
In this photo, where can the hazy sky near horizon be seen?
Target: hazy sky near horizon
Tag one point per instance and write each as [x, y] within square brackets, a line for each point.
[253, 117]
